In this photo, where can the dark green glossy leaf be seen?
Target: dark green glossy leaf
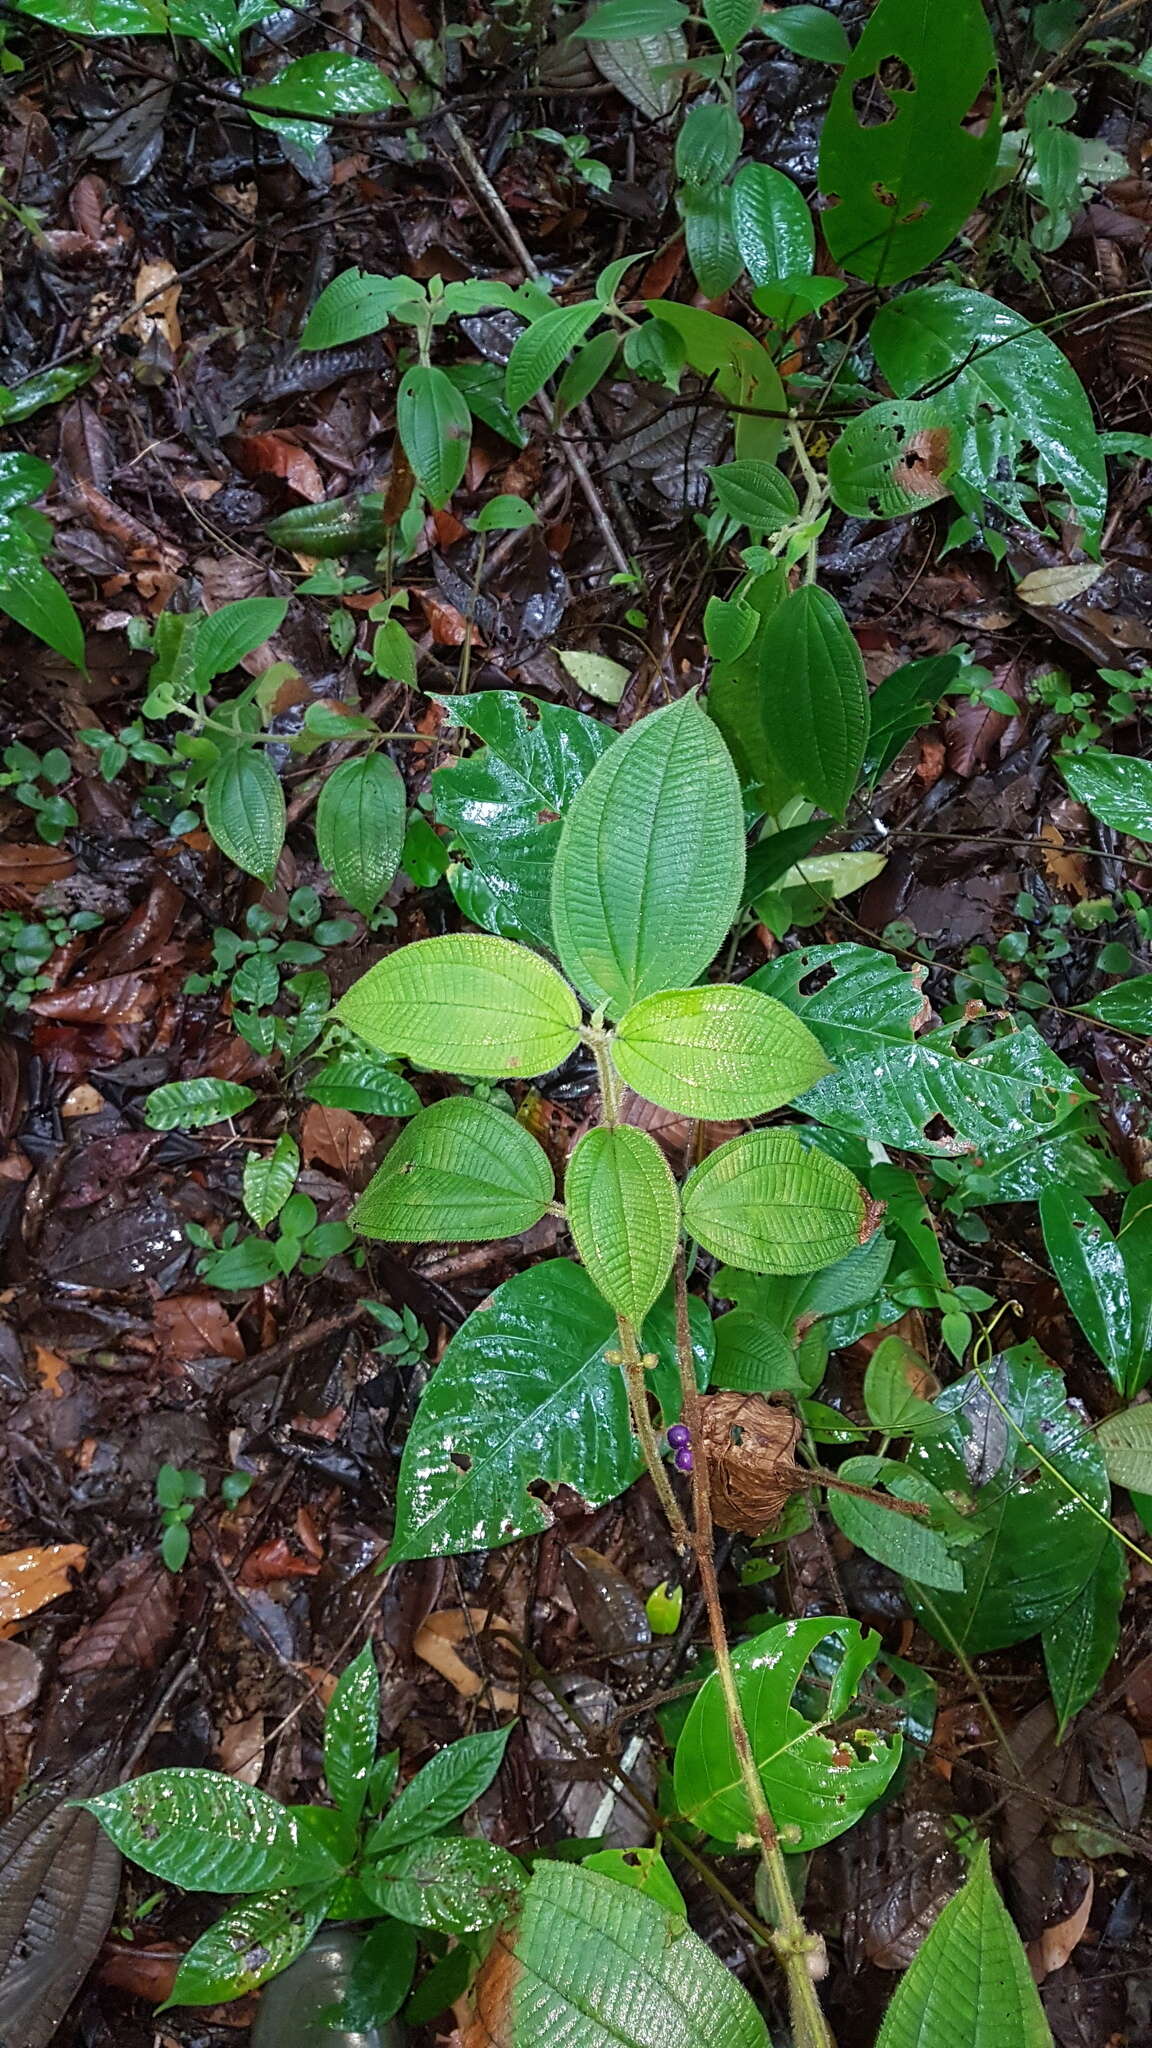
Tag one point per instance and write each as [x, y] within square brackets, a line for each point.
[209, 1833]
[31, 595]
[814, 698]
[381, 1979]
[269, 1178]
[100, 17]
[1128, 1006]
[813, 32]
[453, 1883]
[1079, 1648]
[363, 1085]
[326, 83]
[523, 1394]
[441, 1791]
[902, 703]
[253, 1942]
[1089, 1265]
[913, 1548]
[351, 1728]
[706, 211]
[772, 224]
[1115, 787]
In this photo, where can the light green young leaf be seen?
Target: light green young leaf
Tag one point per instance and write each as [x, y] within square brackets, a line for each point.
[969, 1985]
[743, 370]
[661, 808]
[503, 514]
[1116, 788]
[816, 1785]
[731, 20]
[209, 1833]
[467, 1005]
[894, 1371]
[901, 178]
[453, 1883]
[542, 347]
[814, 697]
[191, 1105]
[753, 1356]
[1125, 1442]
[253, 1942]
[354, 305]
[771, 1204]
[435, 428]
[665, 1985]
[441, 1791]
[812, 32]
[269, 1178]
[624, 1215]
[596, 674]
[360, 821]
[244, 811]
[772, 224]
[460, 1172]
[630, 20]
[716, 1052]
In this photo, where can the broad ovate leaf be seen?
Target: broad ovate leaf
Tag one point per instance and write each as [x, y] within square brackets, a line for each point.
[244, 810]
[460, 1172]
[435, 428]
[208, 1833]
[903, 161]
[524, 1394]
[1116, 788]
[742, 369]
[1125, 1442]
[470, 1005]
[624, 1215]
[814, 697]
[664, 1985]
[360, 821]
[659, 814]
[452, 1883]
[771, 1204]
[717, 1051]
[894, 459]
[969, 1985]
[817, 1783]
[772, 224]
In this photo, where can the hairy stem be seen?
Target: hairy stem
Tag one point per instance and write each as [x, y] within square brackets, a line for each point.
[799, 1952]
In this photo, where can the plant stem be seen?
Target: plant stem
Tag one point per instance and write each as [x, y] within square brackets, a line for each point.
[632, 1363]
[797, 1950]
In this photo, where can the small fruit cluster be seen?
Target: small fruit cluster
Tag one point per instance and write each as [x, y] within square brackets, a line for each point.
[680, 1442]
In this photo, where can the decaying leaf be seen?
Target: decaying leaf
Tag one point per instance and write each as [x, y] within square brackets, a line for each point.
[29, 1579]
[750, 1446]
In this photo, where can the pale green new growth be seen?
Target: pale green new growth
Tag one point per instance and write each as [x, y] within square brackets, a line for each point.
[770, 1204]
[717, 1052]
[467, 1005]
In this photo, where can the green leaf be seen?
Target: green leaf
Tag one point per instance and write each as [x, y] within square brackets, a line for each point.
[453, 1884]
[542, 347]
[755, 494]
[441, 1791]
[904, 702]
[1008, 390]
[30, 594]
[1089, 1265]
[22, 478]
[730, 626]
[814, 697]
[624, 1215]
[523, 1395]
[100, 17]
[664, 1985]
[894, 1370]
[894, 459]
[360, 822]
[772, 224]
[1128, 1006]
[660, 811]
[969, 1985]
[1116, 788]
[1081, 1645]
[461, 1172]
[912, 1548]
[269, 1178]
[362, 1085]
[208, 1833]
[244, 811]
[253, 1942]
[190, 1105]
[630, 20]
[476, 1006]
[642, 1870]
[355, 304]
[706, 211]
[595, 673]
[381, 1979]
[1036, 1545]
[743, 370]
[505, 804]
[225, 637]
[435, 429]
[817, 1785]
[811, 32]
[772, 1205]
[753, 1356]
[899, 167]
[716, 1052]
[890, 1085]
[731, 20]
[1125, 1442]
[44, 387]
[708, 143]
[326, 83]
[504, 514]
[351, 1729]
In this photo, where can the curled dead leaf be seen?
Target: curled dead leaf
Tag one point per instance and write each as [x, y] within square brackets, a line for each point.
[435, 1644]
[750, 1447]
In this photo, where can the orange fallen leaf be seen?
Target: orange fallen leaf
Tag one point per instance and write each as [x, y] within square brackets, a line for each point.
[434, 1645]
[29, 1579]
[1051, 1950]
[50, 1368]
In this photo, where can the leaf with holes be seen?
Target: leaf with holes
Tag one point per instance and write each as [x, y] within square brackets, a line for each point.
[522, 1397]
[895, 459]
[505, 804]
[469, 1005]
[435, 429]
[817, 1784]
[814, 697]
[771, 1204]
[716, 1052]
[209, 1833]
[253, 1942]
[624, 1215]
[360, 822]
[460, 1172]
[660, 811]
[900, 166]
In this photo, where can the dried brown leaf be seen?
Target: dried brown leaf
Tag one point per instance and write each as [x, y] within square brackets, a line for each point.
[335, 1137]
[29, 1579]
[750, 1446]
[135, 1628]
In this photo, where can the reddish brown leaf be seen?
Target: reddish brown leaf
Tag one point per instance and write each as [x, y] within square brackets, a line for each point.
[123, 999]
[143, 1972]
[274, 1560]
[135, 1629]
[196, 1326]
[335, 1137]
[27, 869]
[150, 926]
[490, 2023]
[279, 455]
[29, 1579]
[977, 736]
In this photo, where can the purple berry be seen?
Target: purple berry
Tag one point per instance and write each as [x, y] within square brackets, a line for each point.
[683, 1460]
[679, 1436]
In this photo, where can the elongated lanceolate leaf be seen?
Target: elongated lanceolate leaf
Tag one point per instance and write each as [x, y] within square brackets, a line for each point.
[244, 811]
[476, 1006]
[969, 1985]
[253, 1942]
[523, 1394]
[716, 1052]
[208, 1833]
[191, 1105]
[435, 428]
[1080, 1646]
[664, 1984]
[442, 1791]
[460, 1171]
[1089, 1265]
[1115, 787]
[269, 1178]
[660, 815]
[770, 1204]
[360, 828]
[624, 1215]
[351, 1730]
[816, 1784]
[542, 347]
[902, 165]
[814, 697]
